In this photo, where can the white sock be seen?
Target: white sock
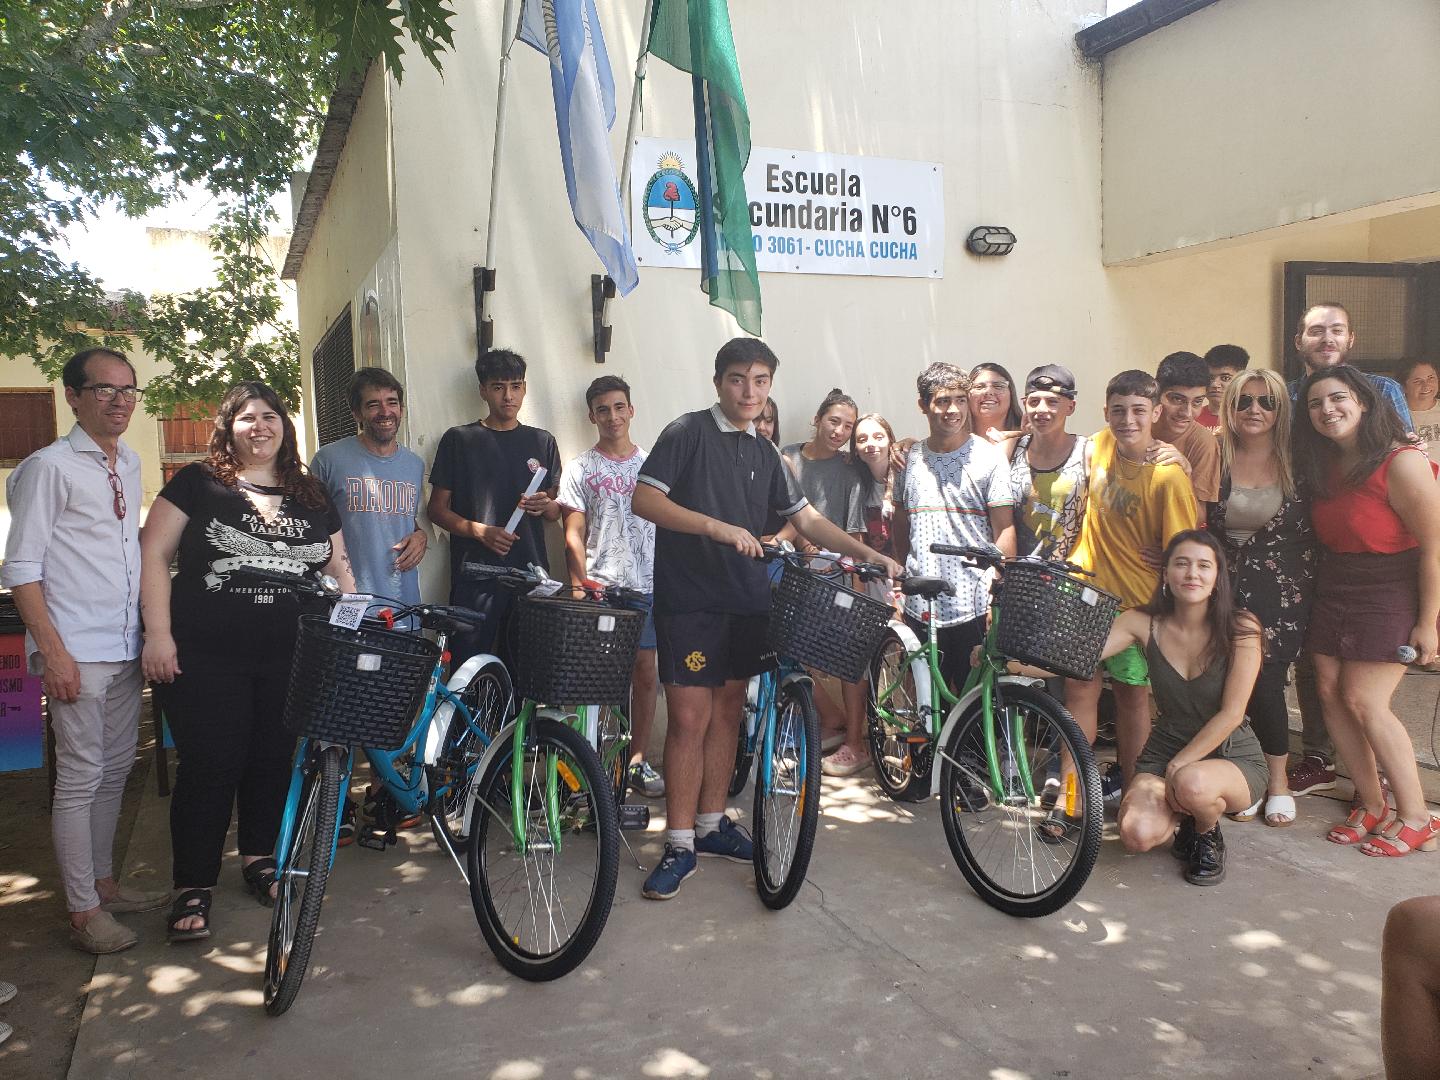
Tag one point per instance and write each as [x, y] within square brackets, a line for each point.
[681, 838]
[705, 824]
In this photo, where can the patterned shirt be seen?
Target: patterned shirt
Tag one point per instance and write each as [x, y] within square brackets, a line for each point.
[619, 547]
[948, 499]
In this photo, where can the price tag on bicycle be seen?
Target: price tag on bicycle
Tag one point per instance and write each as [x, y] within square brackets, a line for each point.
[350, 610]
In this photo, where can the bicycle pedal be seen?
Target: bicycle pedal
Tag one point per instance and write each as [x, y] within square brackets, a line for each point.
[634, 817]
[374, 840]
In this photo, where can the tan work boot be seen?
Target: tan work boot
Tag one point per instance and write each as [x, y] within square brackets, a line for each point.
[101, 934]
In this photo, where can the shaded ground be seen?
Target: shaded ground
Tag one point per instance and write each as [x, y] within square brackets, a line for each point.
[886, 964]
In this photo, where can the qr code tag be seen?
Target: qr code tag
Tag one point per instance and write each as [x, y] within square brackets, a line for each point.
[349, 610]
[1090, 596]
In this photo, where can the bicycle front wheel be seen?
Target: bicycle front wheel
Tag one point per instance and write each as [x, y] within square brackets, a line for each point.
[487, 697]
[787, 798]
[893, 719]
[1025, 851]
[301, 887]
[542, 898]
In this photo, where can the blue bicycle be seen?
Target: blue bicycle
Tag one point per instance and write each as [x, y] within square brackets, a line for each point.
[780, 736]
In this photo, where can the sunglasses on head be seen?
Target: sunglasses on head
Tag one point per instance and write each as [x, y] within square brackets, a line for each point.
[1265, 401]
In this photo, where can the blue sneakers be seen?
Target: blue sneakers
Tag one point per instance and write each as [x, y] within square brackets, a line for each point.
[729, 841]
[665, 880]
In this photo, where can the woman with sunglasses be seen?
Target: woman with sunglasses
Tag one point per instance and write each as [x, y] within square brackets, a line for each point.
[1263, 523]
[218, 646]
[1376, 509]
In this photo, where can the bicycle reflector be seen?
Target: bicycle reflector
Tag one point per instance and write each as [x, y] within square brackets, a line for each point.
[389, 617]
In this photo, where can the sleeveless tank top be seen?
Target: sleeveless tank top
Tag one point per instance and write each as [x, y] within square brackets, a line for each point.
[1360, 519]
[1186, 705]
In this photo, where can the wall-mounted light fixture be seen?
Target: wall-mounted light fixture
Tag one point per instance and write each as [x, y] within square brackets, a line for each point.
[602, 291]
[990, 240]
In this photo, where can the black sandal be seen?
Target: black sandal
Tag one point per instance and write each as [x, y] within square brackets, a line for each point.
[190, 904]
[260, 877]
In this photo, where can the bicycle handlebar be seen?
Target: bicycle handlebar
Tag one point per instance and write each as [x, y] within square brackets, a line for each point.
[865, 571]
[514, 578]
[991, 556]
[446, 617]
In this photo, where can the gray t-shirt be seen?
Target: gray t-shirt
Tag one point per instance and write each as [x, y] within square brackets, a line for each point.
[377, 498]
[834, 487]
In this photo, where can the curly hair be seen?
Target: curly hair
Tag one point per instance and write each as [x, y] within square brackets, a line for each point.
[225, 466]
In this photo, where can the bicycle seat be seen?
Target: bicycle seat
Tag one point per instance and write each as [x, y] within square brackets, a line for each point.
[928, 587]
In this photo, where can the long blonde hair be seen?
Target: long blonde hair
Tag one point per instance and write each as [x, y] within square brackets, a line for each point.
[1279, 434]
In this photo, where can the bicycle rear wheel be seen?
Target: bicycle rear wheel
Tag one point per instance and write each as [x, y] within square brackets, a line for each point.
[787, 798]
[542, 909]
[1024, 855]
[487, 697]
[301, 888]
[614, 729]
[744, 762]
[902, 768]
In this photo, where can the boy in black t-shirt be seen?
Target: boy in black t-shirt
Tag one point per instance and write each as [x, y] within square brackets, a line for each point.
[479, 477]
[708, 485]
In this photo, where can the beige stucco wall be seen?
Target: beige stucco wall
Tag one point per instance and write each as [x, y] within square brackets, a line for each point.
[1252, 114]
[993, 91]
[355, 231]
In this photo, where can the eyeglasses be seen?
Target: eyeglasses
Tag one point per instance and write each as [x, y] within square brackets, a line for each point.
[119, 491]
[1265, 401]
[996, 386]
[106, 392]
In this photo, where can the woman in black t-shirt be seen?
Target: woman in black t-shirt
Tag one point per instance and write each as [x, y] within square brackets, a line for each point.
[218, 646]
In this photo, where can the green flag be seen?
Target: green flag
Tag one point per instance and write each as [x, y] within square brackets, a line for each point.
[694, 36]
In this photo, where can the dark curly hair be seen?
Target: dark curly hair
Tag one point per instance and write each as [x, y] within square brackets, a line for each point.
[293, 478]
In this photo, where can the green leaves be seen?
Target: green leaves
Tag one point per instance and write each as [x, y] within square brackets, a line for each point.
[131, 101]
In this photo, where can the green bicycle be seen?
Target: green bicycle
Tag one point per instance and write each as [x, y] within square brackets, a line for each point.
[1019, 790]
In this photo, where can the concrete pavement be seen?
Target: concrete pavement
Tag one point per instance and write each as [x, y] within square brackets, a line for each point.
[886, 965]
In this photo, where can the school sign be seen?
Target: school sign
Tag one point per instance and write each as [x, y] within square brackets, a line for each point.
[810, 213]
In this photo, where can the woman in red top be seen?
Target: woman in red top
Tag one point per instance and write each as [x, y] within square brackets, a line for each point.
[1377, 513]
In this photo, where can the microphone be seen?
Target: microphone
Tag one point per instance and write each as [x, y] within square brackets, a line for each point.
[1406, 654]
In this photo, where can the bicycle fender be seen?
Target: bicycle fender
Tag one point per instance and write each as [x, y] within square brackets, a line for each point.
[440, 720]
[797, 677]
[497, 744]
[919, 667]
[958, 711]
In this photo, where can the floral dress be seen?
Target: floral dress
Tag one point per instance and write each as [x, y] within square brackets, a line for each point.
[1273, 572]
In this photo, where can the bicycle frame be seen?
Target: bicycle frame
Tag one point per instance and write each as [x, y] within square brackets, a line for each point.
[762, 699]
[937, 700]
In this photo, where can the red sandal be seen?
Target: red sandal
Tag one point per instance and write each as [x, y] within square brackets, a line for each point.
[1359, 826]
[1405, 840]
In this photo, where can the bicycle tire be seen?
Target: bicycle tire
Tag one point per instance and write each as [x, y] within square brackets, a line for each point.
[614, 731]
[487, 696]
[296, 914]
[744, 762]
[787, 801]
[902, 769]
[527, 941]
[999, 846]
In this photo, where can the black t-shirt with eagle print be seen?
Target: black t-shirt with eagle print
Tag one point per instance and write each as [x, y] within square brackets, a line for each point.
[213, 609]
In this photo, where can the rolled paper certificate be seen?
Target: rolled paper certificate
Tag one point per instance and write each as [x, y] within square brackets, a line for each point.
[536, 480]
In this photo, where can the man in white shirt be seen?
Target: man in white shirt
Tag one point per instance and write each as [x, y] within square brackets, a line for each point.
[72, 561]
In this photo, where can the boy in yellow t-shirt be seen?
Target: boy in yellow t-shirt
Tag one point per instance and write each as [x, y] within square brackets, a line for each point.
[1134, 508]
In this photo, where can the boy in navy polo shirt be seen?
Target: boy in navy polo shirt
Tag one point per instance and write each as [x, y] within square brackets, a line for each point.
[708, 485]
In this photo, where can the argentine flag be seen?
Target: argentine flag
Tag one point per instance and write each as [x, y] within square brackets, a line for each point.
[568, 32]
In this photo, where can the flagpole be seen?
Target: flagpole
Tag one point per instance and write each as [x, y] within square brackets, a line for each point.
[634, 124]
[641, 63]
[509, 31]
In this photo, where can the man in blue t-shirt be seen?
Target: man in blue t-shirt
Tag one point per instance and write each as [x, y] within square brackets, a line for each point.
[1324, 337]
[375, 484]
[709, 485]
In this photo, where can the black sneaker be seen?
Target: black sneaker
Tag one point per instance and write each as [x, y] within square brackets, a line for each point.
[1207, 859]
[1184, 839]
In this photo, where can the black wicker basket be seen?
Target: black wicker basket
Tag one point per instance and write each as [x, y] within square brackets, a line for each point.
[575, 652]
[1054, 620]
[357, 686]
[820, 623]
